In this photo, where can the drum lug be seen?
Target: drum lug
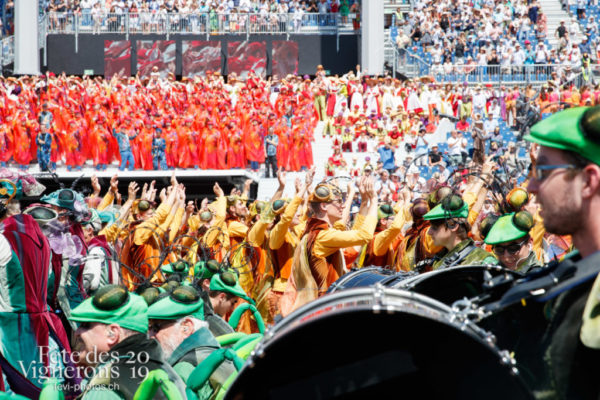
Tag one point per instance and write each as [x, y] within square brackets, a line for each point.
[379, 299]
[258, 352]
[506, 358]
[490, 338]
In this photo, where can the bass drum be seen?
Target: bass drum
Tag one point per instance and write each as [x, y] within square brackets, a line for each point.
[377, 343]
[368, 276]
[456, 283]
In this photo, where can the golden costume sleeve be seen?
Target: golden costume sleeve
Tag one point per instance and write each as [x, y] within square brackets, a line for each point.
[107, 200]
[144, 231]
[176, 224]
[111, 232]
[537, 234]
[256, 235]
[331, 240]
[383, 240]
[237, 229]
[219, 223]
[277, 236]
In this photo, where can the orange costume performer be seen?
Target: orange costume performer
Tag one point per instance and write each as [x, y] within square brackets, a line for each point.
[283, 239]
[22, 134]
[142, 248]
[380, 251]
[318, 259]
[416, 245]
[235, 152]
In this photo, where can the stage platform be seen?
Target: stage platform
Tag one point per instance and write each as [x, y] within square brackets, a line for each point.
[198, 183]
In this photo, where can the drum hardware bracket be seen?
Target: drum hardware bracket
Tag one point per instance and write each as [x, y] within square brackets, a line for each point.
[466, 310]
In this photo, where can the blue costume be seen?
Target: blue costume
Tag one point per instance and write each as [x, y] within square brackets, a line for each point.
[44, 143]
[159, 158]
[44, 140]
[125, 149]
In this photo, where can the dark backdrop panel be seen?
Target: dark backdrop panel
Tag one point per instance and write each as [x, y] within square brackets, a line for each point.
[246, 57]
[200, 56]
[117, 58]
[158, 54]
[312, 51]
[285, 58]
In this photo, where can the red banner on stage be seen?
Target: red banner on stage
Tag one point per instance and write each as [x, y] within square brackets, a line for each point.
[243, 57]
[200, 56]
[284, 58]
[117, 58]
[160, 54]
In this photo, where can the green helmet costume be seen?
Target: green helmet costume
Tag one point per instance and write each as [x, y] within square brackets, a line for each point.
[119, 375]
[464, 253]
[185, 301]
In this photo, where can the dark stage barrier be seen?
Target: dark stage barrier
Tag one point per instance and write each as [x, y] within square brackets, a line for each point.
[188, 55]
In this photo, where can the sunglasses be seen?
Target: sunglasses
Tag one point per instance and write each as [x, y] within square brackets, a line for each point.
[512, 249]
[541, 172]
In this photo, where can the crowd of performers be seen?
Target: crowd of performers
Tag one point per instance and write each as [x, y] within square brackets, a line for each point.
[208, 123]
[154, 124]
[97, 274]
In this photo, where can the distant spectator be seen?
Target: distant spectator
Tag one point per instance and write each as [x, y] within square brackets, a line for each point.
[386, 156]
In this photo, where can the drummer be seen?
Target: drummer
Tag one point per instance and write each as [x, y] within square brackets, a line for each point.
[511, 242]
[449, 229]
[566, 181]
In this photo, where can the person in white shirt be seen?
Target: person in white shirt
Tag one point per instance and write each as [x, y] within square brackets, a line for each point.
[455, 147]
[518, 56]
[479, 100]
[494, 110]
[489, 124]
[384, 182]
[323, 7]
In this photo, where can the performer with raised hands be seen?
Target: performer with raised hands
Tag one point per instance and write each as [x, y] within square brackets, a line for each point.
[318, 260]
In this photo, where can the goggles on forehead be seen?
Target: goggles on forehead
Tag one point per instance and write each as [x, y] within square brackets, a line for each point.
[325, 193]
[110, 297]
[590, 124]
[228, 277]
[523, 220]
[185, 295]
[41, 214]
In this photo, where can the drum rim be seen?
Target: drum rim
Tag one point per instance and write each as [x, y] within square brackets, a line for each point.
[349, 294]
[444, 313]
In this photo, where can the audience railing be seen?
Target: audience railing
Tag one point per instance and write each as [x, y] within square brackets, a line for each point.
[7, 51]
[199, 23]
[412, 66]
[506, 74]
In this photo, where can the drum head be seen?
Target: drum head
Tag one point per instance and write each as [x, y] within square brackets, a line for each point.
[363, 277]
[451, 284]
[361, 352]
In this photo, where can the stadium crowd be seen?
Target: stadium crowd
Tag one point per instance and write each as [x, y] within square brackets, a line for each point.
[498, 35]
[203, 6]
